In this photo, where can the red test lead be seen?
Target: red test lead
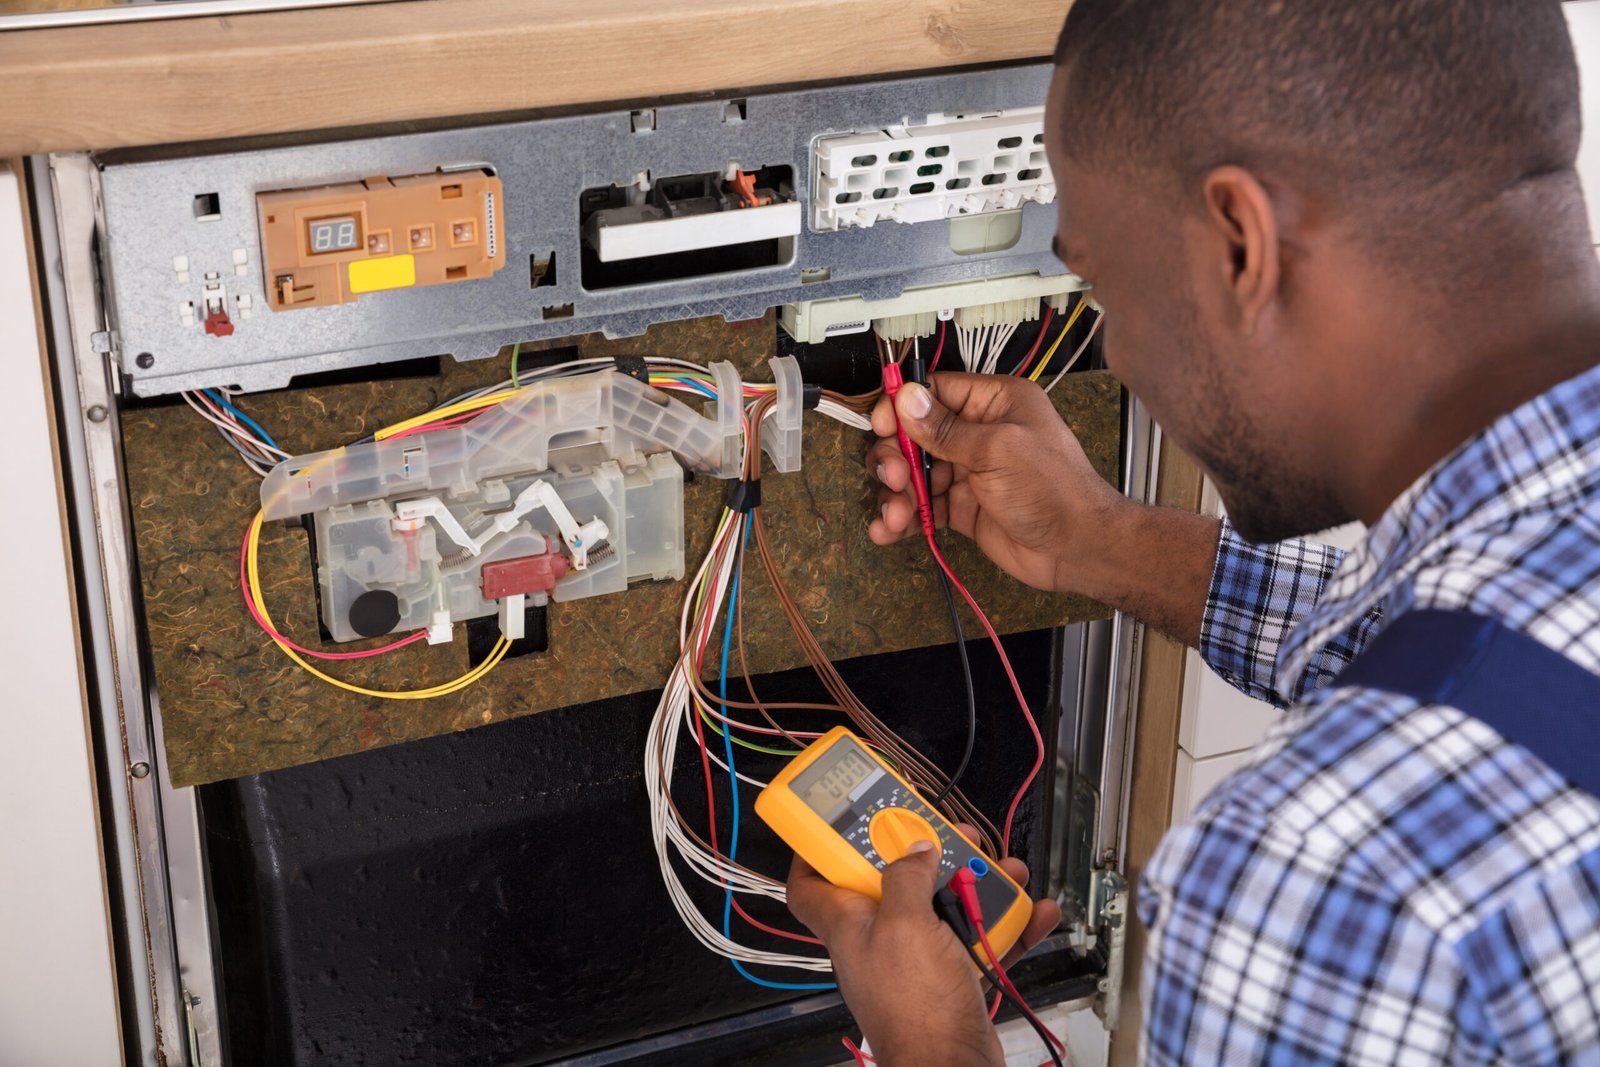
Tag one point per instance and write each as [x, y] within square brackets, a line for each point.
[892, 383]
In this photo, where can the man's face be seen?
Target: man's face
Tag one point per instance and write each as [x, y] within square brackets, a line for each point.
[1226, 394]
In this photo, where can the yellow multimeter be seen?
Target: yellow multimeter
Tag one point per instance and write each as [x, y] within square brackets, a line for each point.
[848, 814]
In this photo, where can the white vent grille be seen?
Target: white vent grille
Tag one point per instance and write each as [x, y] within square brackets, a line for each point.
[947, 167]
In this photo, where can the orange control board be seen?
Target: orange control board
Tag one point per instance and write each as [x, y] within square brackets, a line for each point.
[330, 244]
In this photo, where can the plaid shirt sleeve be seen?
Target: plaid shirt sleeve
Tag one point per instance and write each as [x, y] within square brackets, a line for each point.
[1258, 594]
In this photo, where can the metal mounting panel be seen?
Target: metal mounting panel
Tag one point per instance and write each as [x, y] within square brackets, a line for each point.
[151, 218]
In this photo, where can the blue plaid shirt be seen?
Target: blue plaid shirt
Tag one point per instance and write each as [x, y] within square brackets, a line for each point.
[1389, 883]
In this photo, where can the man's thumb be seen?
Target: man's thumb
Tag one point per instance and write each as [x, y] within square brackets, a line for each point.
[931, 425]
[909, 882]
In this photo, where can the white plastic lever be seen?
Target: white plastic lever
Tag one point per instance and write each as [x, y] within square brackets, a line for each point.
[579, 539]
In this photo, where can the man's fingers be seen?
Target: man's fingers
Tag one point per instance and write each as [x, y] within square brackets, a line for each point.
[883, 423]
[887, 465]
[1045, 918]
[1016, 869]
[820, 905]
[910, 882]
[947, 417]
[897, 518]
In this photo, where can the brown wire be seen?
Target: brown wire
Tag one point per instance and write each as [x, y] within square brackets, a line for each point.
[918, 769]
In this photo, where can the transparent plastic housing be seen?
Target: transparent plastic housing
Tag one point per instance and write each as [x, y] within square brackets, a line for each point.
[624, 417]
[361, 551]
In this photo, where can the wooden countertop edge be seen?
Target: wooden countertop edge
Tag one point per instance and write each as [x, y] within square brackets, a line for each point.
[147, 83]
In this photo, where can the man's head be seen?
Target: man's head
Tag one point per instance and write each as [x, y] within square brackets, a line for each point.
[1251, 185]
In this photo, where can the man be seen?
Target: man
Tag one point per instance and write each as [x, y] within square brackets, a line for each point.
[1345, 256]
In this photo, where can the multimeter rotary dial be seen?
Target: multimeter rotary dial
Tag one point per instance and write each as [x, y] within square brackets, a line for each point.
[892, 831]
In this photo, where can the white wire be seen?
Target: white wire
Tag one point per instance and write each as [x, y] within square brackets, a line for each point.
[672, 713]
[839, 413]
[259, 456]
[673, 718]
[1082, 348]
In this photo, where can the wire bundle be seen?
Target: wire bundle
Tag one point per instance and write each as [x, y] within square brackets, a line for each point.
[688, 706]
[980, 349]
[242, 433]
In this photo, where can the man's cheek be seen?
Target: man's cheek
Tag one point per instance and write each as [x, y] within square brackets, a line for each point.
[1123, 359]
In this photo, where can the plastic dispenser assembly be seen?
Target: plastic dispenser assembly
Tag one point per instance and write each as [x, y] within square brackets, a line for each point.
[571, 488]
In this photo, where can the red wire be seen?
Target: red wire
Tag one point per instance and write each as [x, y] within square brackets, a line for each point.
[1010, 986]
[255, 613]
[944, 325]
[862, 1059]
[892, 382]
[442, 424]
[1038, 343]
[1016, 686]
[759, 925]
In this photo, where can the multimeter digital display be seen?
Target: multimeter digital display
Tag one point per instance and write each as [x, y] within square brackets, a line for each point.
[848, 814]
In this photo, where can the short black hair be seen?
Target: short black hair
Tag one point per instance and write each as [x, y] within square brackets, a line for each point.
[1395, 106]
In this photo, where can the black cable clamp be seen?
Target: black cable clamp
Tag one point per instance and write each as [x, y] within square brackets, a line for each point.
[810, 397]
[744, 496]
[634, 367]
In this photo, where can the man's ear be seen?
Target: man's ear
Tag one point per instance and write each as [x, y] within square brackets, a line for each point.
[1245, 222]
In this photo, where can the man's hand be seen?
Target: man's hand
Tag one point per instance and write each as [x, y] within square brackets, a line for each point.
[906, 978]
[1009, 475]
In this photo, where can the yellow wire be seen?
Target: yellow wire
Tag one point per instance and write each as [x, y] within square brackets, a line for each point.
[1072, 320]
[496, 654]
[459, 408]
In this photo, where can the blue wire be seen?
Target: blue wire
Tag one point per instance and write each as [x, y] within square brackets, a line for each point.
[733, 786]
[712, 393]
[241, 416]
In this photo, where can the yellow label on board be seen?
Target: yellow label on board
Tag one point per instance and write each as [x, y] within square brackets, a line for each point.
[385, 272]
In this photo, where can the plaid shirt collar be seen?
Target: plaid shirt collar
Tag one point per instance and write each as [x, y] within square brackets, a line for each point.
[1544, 456]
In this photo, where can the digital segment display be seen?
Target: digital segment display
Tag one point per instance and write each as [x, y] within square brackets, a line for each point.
[334, 235]
[825, 786]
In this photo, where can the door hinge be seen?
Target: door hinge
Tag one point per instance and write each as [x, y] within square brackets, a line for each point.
[1109, 905]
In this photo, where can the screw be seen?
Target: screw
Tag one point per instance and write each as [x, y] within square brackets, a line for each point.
[145, 360]
[97, 413]
[140, 769]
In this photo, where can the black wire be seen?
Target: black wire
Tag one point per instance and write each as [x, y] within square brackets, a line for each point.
[917, 371]
[1022, 1009]
[966, 673]
[949, 908]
